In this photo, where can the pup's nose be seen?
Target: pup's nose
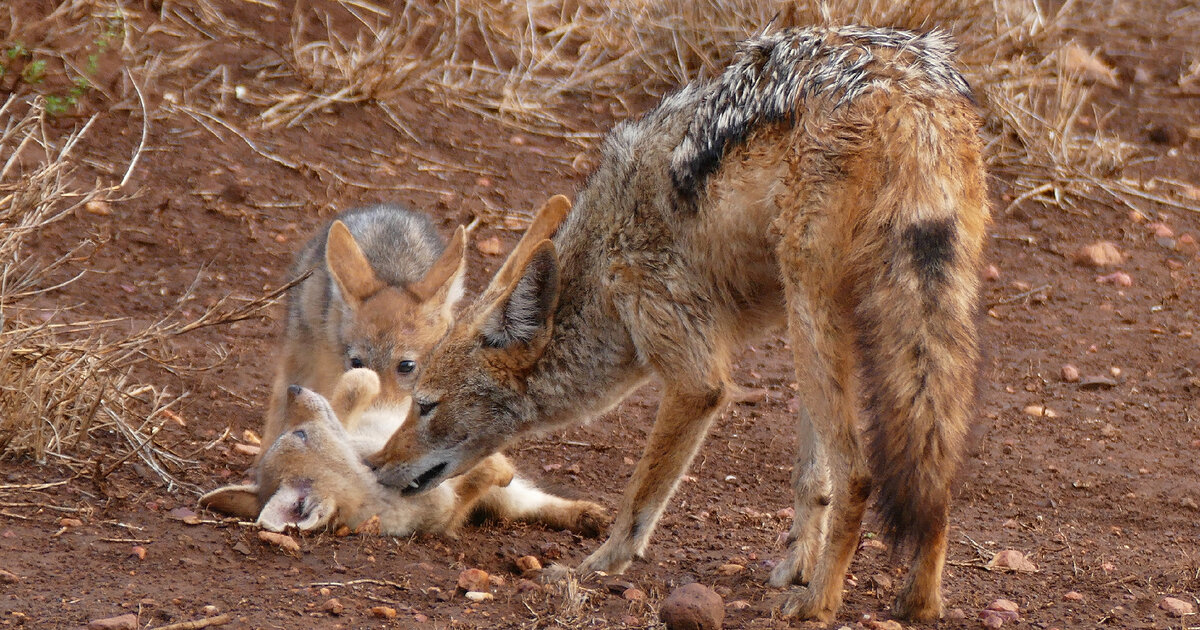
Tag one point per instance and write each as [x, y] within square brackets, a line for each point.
[294, 390]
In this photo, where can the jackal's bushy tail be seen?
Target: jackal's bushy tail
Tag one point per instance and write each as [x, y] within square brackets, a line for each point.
[916, 316]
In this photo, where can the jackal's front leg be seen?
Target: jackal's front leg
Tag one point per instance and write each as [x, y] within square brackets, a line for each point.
[684, 416]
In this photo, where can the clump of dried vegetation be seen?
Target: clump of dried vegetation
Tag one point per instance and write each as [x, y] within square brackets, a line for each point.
[529, 64]
[65, 381]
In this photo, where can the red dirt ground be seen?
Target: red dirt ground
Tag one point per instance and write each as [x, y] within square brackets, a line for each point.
[1102, 497]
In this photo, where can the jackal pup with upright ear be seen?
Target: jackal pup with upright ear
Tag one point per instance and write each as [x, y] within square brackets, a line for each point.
[830, 181]
[313, 477]
[381, 291]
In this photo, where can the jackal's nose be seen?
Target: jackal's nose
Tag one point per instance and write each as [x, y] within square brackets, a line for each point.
[294, 390]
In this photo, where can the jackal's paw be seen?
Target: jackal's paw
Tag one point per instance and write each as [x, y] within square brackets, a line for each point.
[612, 557]
[925, 607]
[806, 604]
[797, 565]
[591, 520]
[500, 471]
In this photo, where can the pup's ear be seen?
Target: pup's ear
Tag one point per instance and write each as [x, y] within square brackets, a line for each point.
[240, 501]
[349, 266]
[442, 286]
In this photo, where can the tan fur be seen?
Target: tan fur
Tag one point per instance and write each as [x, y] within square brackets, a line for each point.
[855, 216]
[312, 477]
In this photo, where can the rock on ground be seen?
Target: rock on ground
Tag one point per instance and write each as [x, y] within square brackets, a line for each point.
[1102, 254]
[1176, 607]
[692, 607]
[474, 580]
[1013, 560]
[123, 622]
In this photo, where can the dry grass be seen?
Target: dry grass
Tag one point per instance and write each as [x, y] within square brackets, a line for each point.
[67, 388]
[528, 64]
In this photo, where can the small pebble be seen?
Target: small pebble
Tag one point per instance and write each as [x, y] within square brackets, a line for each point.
[384, 612]
[529, 564]
[991, 619]
[1176, 607]
[283, 541]
[730, 569]
[1072, 596]
[1004, 606]
[479, 596]
[991, 273]
[1013, 560]
[333, 606]
[138, 551]
[490, 246]
[1039, 411]
[123, 622]
[1070, 373]
[1117, 278]
[634, 595]
[1161, 230]
[1101, 254]
[473, 580]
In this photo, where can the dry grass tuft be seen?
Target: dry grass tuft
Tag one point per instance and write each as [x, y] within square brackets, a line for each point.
[67, 388]
[529, 64]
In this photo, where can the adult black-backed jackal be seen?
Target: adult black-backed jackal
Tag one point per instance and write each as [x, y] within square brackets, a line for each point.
[830, 181]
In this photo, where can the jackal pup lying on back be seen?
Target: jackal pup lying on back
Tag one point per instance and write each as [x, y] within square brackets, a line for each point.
[312, 476]
[830, 180]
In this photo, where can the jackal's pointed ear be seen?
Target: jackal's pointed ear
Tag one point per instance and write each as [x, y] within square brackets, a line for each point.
[545, 224]
[240, 501]
[349, 265]
[442, 286]
[526, 309]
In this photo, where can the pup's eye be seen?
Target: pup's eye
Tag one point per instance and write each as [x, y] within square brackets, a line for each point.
[300, 433]
[356, 363]
[406, 366]
[426, 407]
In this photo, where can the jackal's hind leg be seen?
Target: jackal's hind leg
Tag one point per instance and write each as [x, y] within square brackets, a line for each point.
[830, 480]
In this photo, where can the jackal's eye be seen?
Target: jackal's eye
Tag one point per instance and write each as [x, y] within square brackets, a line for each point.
[426, 407]
[300, 433]
[356, 363]
[406, 366]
